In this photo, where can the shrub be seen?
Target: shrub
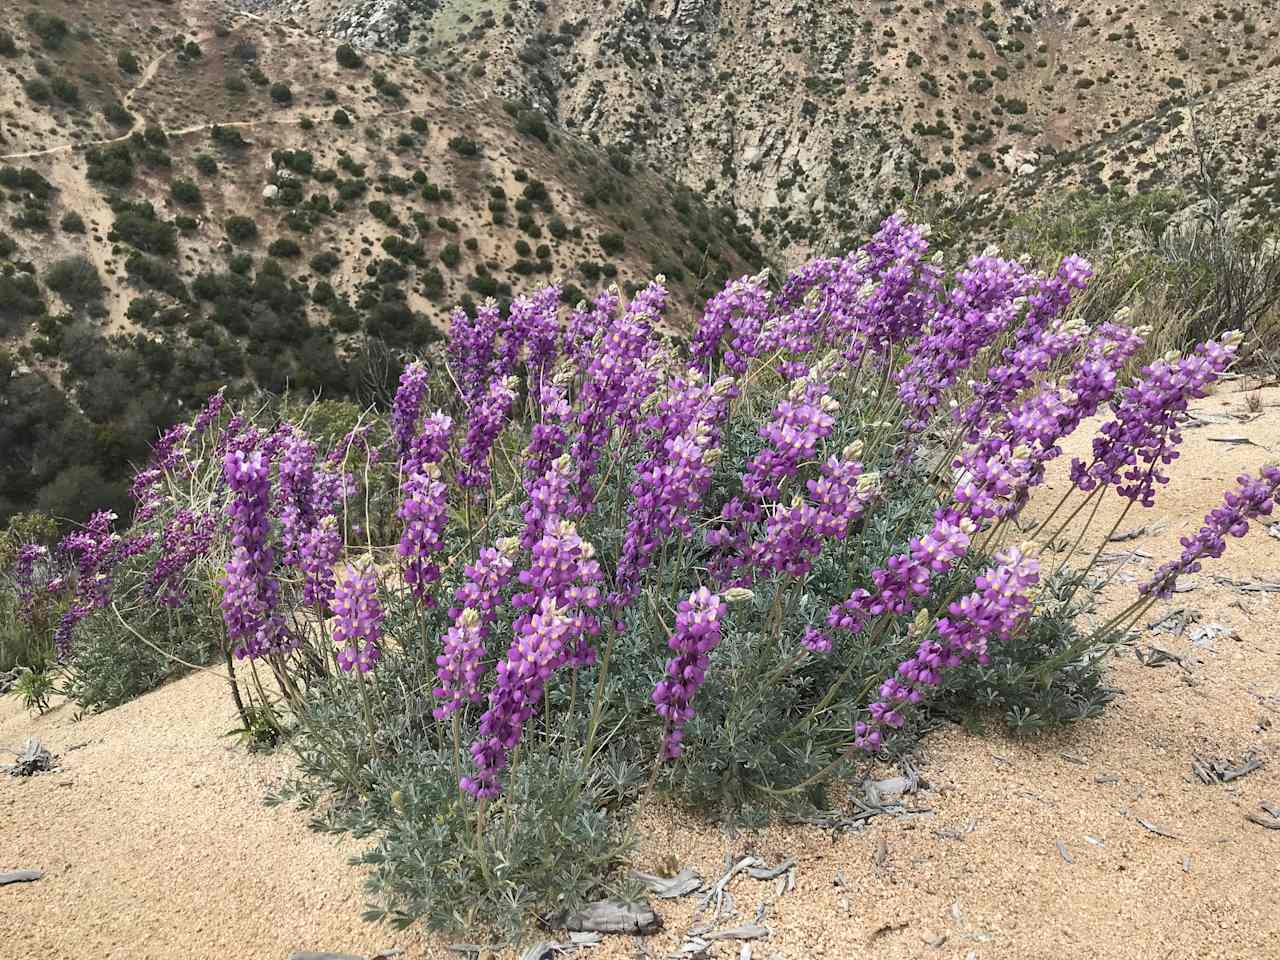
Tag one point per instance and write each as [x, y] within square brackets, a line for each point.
[127, 61]
[340, 118]
[75, 278]
[612, 243]
[7, 47]
[37, 90]
[451, 255]
[281, 93]
[138, 225]
[324, 263]
[284, 247]
[117, 115]
[64, 90]
[464, 146]
[52, 30]
[241, 229]
[72, 222]
[347, 57]
[186, 192]
[205, 164]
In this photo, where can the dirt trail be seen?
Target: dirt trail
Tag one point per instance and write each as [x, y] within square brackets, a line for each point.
[156, 843]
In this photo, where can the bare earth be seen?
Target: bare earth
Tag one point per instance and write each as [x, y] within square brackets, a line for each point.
[156, 843]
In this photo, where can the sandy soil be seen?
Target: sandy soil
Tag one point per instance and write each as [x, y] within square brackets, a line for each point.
[156, 842]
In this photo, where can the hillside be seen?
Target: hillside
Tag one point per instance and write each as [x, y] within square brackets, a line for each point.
[813, 120]
[191, 195]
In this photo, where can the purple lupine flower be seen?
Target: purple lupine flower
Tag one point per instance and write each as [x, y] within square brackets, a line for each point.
[406, 408]
[586, 324]
[24, 576]
[425, 511]
[186, 537]
[794, 535]
[165, 455]
[548, 436]
[211, 411]
[799, 424]
[522, 677]
[563, 567]
[539, 317]
[487, 419]
[358, 619]
[550, 500]
[250, 589]
[318, 551]
[1144, 433]
[460, 665]
[1253, 497]
[683, 443]
[739, 310]
[356, 437]
[905, 577]
[621, 375]
[985, 302]
[697, 633]
[997, 608]
[1039, 342]
[472, 350]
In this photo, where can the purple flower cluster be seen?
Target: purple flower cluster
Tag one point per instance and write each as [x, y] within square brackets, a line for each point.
[986, 301]
[996, 608]
[406, 408]
[185, 538]
[358, 619]
[561, 591]
[165, 456]
[250, 589]
[799, 424]
[683, 442]
[30, 556]
[425, 512]
[1253, 497]
[460, 665]
[739, 310]
[1144, 433]
[697, 633]
[488, 418]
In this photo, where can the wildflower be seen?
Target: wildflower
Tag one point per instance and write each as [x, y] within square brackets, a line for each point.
[406, 408]
[424, 512]
[488, 418]
[1144, 434]
[697, 633]
[996, 609]
[1254, 497]
[250, 590]
[186, 537]
[358, 614]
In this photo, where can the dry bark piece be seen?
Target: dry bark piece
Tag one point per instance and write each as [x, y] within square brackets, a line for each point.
[1269, 819]
[771, 873]
[1224, 771]
[685, 882]
[1157, 830]
[20, 876]
[31, 759]
[748, 932]
[1062, 849]
[614, 916]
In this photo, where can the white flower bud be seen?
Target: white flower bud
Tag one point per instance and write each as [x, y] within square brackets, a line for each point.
[469, 618]
[738, 595]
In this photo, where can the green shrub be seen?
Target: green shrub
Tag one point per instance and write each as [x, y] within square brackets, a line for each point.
[65, 90]
[347, 57]
[241, 229]
[205, 164]
[138, 225]
[284, 247]
[37, 90]
[281, 93]
[127, 61]
[324, 263]
[612, 243]
[117, 115]
[186, 192]
[340, 118]
[450, 255]
[464, 146]
[52, 31]
[75, 278]
[7, 47]
[72, 222]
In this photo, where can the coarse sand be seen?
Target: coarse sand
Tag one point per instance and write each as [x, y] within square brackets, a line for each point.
[156, 842]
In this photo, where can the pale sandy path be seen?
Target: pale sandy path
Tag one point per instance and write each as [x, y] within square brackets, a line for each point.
[157, 844]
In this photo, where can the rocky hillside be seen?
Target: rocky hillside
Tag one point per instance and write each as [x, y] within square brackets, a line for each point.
[812, 119]
[191, 195]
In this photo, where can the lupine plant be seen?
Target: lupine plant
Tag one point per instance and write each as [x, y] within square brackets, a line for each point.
[731, 568]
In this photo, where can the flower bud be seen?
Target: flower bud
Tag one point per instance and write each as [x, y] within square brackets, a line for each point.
[712, 456]
[509, 546]
[397, 801]
[738, 595]
[469, 618]
[921, 622]
[1232, 338]
[853, 451]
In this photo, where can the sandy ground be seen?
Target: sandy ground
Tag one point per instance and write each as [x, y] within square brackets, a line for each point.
[156, 842]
